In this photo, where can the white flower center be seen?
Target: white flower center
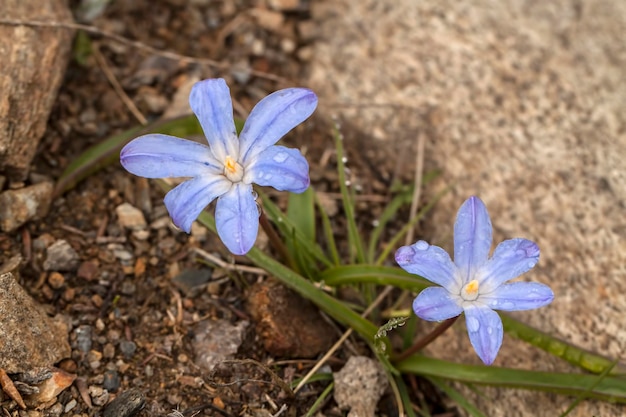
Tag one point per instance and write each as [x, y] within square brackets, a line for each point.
[469, 292]
[233, 169]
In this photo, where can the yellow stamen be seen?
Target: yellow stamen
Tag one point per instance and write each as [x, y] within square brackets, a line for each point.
[472, 287]
[230, 165]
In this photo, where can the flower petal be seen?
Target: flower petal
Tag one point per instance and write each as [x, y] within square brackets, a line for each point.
[187, 200]
[162, 156]
[472, 237]
[279, 167]
[519, 296]
[436, 304]
[485, 332]
[511, 259]
[237, 219]
[210, 101]
[273, 117]
[431, 262]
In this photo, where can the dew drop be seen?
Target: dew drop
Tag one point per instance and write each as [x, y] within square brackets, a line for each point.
[280, 157]
[489, 329]
[507, 305]
[344, 159]
[521, 253]
[472, 324]
[422, 245]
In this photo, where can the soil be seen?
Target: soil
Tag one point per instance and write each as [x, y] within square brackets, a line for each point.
[124, 293]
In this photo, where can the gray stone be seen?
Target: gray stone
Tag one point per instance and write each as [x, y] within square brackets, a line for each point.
[60, 256]
[130, 217]
[24, 204]
[359, 386]
[216, 341]
[521, 103]
[29, 339]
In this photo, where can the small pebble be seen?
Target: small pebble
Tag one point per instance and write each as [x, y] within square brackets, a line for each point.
[128, 348]
[56, 280]
[55, 410]
[83, 337]
[108, 351]
[128, 288]
[61, 256]
[130, 217]
[69, 294]
[111, 381]
[88, 270]
[99, 396]
[70, 405]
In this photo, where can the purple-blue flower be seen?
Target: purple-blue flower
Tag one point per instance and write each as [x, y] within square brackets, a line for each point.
[474, 283]
[227, 167]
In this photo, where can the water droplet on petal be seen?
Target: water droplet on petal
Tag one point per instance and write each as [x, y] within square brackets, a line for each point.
[489, 329]
[422, 245]
[280, 157]
[472, 324]
[507, 305]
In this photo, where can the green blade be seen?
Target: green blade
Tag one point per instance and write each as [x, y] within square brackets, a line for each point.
[609, 389]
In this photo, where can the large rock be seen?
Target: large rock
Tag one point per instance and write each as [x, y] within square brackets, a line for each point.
[33, 64]
[29, 339]
[522, 103]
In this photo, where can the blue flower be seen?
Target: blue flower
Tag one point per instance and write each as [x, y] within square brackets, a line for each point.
[227, 167]
[474, 283]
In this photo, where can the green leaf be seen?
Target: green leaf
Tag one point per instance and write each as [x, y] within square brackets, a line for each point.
[457, 397]
[348, 207]
[609, 389]
[108, 151]
[301, 213]
[320, 400]
[393, 243]
[289, 230]
[404, 197]
[82, 49]
[388, 214]
[576, 356]
[328, 233]
[373, 274]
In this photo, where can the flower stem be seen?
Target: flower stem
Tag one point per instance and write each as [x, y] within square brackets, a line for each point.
[275, 240]
[426, 340]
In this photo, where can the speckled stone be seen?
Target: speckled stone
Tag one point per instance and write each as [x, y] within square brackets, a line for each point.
[29, 339]
[521, 103]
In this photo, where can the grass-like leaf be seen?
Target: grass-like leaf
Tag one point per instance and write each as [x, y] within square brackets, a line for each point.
[576, 356]
[456, 396]
[329, 236]
[610, 388]
[290, 230]
[108, 151]
[354, 236]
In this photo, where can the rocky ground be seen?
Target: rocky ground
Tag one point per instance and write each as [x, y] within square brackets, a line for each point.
[150, 314]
